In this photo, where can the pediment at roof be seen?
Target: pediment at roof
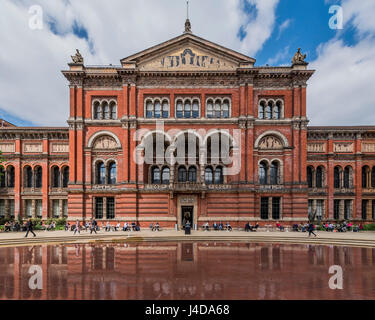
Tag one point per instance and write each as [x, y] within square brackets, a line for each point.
[188, 53]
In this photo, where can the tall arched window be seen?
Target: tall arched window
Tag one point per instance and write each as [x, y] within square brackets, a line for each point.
[165, 109]
[225, 109]
[179, 109]
[277, 110]
[319, 177]
[28, 177]
[2, 177]
[182, 174]
[310, 177]
[38, 177]
[210, 109]
[348, 177]
[262, 110]
[165, 175]
[155, 175]
[10, 176]
[365, 173]
[100, 172]
[106, 110]
[149, 109]
[208, 175]
[337, 177]
[187, 109]
[65, 177]
[112, 173]
[157, 109]
[269, 110]
[274, 173]
[263, 171]
[192, 174]
[373, 177]
[55, 177]
[219, 178]
[113, 110]
[97, 111]
[195, 109]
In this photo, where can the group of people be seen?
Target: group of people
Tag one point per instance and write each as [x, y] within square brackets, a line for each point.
[94, 227]
[155, 227]
[341, 227]
[250, 228]
[217, 227]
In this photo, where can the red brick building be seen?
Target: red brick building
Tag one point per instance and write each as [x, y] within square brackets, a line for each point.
[276, 168]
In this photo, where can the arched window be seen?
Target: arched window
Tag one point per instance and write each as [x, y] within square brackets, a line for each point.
[319, 177]
[210, 109]
[112, 173]
[55, 177]
[219, 178]
[165, 175]
[165, 109]
[38, 177]
[65, 177]
[274, 174]
[208, 175]
[187, 109]
[262, 110]
[11, 176]
[226, 109]
[337, 177]
[113, 109]
[365, 172]
[348, 177]
[263, 171]
[97, 111]
[310, 177]
[195, 109]
[217, 109]
[149, 109]
[106, 110]
[179, 109]
[100, 173]
[277, 110]
[2, 177]
[192, 174]
[157, 109]
[182, 174]
[155, 175]
[373, 177]
[28, 177]
[269, 110]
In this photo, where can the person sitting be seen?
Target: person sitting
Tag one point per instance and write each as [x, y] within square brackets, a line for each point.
[228, 226]
[331, 227]
[108, 227]
[295, 227]
[7, 227]
[52, 226]
[248, 227]
[279, 226]
[152, 226]
[254, 229]
[118, 226]
[206, 227]
[303, 228]
[157, 226]
[138, 227]
[126, 227]
[67, 225]
[215, 226]
[133, 226]
[221, 227]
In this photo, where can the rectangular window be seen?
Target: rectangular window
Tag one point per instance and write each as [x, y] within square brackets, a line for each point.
[56, 208]
[347, 209]
[364, 209]
[276, 208]
[2, 208]
[65, 208]
[336, 209]
[319, 208]
[29, 208]
[264, 208]
[98, 208]
[11, 208]
[110, 208]
[39, 208]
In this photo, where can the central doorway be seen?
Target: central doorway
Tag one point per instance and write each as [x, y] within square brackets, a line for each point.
[187, 215]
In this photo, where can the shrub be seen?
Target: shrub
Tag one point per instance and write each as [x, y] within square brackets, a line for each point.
[60, 222]
[369, 227]
[4, 220]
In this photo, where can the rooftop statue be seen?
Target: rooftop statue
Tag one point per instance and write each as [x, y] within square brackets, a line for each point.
[77, 58]
[299, 58]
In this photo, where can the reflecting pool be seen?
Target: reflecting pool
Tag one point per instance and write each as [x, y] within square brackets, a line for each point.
[152, 271]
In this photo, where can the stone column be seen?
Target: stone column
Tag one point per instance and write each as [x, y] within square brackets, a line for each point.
[104, 208]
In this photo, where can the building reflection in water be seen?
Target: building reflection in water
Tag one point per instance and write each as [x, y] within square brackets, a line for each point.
[186, 271]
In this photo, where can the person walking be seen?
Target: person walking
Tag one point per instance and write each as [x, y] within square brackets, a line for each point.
[29, 228]
[78, 228]
[93, 226]
[310, 228]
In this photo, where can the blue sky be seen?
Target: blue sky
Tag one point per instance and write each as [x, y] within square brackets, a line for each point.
[35, 93]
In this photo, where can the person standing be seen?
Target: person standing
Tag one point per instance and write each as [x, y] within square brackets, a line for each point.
[93, 226]
[29, 228]
[78, 227]
[310, 228]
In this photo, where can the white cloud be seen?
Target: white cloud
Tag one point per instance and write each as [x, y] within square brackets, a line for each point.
[30, 60]
[279, 57]
[285, 25]
[342, 90]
